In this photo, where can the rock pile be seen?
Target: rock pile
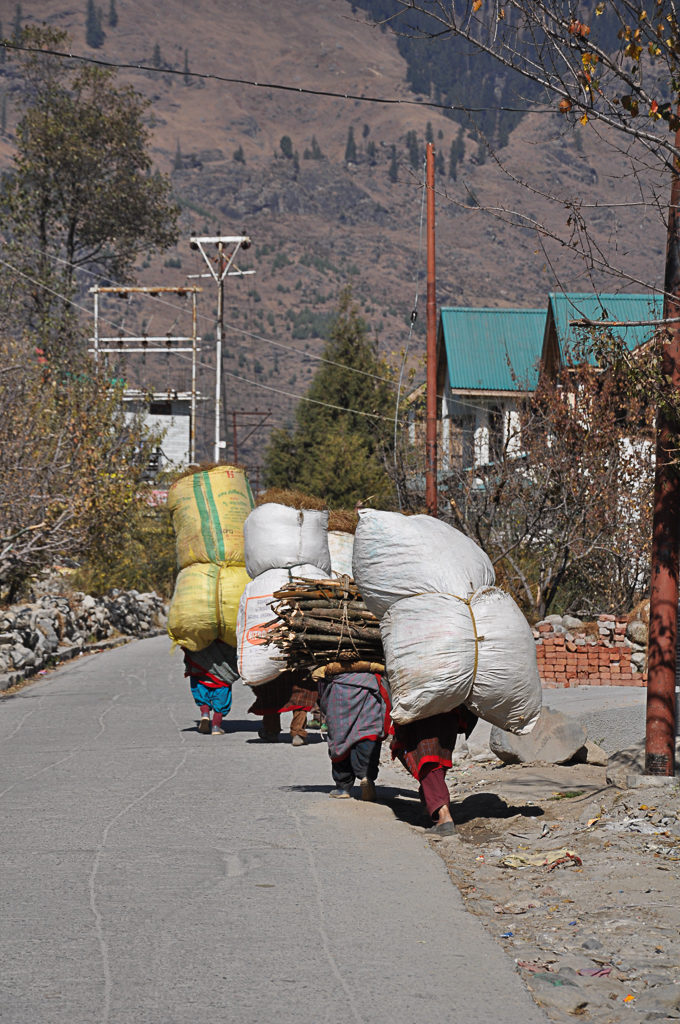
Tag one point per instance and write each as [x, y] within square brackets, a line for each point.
[55, 627]
[608, 652]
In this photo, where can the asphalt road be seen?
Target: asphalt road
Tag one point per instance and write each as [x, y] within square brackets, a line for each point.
[153, 875]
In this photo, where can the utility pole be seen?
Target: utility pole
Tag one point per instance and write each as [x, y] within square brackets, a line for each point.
[122, 345]
[663, 611]
[431, 436]
[221, 267]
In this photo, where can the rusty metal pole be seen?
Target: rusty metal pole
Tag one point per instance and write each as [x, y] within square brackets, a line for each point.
[663, 613]
[431, 436]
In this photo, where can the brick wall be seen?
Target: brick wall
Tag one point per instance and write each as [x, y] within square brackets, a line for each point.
[580, 658]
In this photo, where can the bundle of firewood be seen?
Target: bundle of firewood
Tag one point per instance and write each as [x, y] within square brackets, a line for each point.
[325, 623]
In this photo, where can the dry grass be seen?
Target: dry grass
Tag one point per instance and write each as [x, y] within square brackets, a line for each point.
[293, 499]
[340, 520]
[205, 467]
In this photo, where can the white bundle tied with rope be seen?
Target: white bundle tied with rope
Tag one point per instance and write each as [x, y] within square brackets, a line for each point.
[397, 556]
[442, 650]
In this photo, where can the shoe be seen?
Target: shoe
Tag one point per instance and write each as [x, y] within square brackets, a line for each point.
[367, 790]
[444, 830]
[204, 726]
[340, 793]
[298, 741]
[268, 737]
[217, 731]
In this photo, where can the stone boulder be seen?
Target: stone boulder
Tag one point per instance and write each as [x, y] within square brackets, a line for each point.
[555, 739]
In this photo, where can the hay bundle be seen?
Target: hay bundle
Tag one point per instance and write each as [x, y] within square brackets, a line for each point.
[291, 498]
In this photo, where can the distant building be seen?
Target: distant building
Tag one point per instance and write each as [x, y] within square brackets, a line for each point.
[488, 361]
[169, 413]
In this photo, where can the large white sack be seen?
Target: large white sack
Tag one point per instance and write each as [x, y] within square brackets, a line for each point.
[258, 662]
[341, 548]
[429, 644]
[397, 556]
[507, 689]
[279, 537]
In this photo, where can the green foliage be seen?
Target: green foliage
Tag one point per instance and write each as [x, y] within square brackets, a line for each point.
[157, 59]
[113, 14]
[339, 439]
[239, 156]
[286, 145]
[82, 148]
[144, 558]
[306, 323]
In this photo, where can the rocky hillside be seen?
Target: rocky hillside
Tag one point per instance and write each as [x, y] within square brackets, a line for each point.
[330, 189]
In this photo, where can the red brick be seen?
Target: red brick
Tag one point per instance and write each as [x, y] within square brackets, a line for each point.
[544, 627]
[559, 641]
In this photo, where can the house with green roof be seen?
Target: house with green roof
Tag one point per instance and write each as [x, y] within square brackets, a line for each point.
[488, 361]
[628, 314]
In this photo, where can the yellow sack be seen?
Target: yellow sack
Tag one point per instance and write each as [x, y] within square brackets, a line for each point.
[205, 605]
[208, 511]
[232, 583]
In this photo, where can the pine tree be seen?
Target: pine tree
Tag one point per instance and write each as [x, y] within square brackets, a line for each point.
[113, 14]
[94, 33]
[429, 134]
[3, 51]
[350, 148]
[157, 59]
[286, 145]
[453, 160]
[413, 150]
[239, 156]
[16, 27]
[439, 164]
[393, 172]
[337, 452]
[3, 114]
[177, 162]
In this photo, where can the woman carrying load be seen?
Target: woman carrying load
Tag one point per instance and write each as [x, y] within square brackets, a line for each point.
[425, 748]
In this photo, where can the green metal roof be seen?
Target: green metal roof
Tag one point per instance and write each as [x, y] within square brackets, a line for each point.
[567, 306]
[485, 347]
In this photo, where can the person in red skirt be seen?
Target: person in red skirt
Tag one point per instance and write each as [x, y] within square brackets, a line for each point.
[425, 748]
[291, 691]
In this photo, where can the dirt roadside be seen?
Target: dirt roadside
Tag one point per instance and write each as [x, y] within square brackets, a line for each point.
[595, 928]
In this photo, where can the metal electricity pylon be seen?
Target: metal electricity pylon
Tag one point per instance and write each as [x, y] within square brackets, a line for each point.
[220, 267]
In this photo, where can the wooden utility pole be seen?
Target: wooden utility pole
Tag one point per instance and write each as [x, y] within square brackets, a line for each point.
[663, 612]
[431, 436]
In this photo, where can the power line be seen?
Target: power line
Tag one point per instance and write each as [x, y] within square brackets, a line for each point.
[280, 86]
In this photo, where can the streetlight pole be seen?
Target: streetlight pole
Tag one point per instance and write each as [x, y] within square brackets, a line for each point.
[228, 246]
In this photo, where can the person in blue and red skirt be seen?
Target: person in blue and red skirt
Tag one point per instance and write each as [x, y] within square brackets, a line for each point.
[212, 672]
[425, 748]
[356, 706]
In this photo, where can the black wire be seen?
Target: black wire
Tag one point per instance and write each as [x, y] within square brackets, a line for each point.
[354, 97]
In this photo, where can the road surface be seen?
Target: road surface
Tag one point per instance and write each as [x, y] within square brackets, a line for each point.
[153, 875]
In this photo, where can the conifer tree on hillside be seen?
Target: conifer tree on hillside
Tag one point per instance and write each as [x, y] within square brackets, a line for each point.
[16, 27]
[94, 33]
[340, 437]
[113, 14]
[351, 147]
